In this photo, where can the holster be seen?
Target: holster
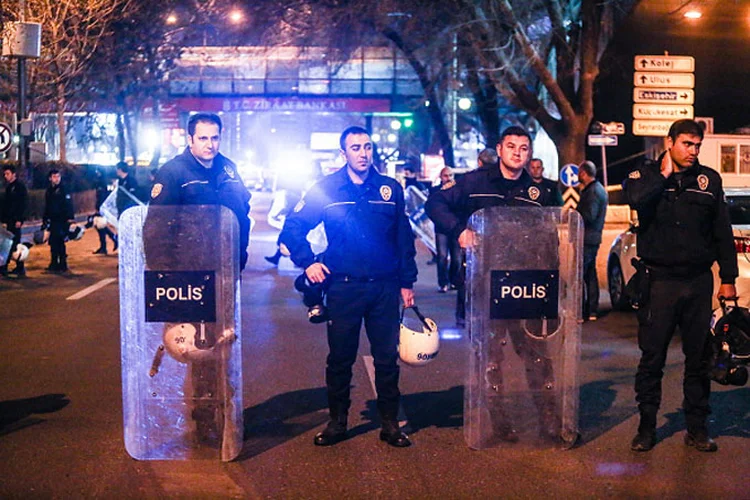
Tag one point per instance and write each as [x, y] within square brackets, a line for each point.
[639, 286]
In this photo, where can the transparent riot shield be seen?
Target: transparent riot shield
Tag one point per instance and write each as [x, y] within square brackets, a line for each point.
[524, 305]
[422, 226]
[180, 331]
[6, 244]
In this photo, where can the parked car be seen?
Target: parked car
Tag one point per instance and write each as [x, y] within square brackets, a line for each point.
[623, 249]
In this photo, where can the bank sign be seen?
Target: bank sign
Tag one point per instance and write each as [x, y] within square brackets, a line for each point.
[180, 296]
[527, 294]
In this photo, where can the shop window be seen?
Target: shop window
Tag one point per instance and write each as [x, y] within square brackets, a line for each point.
[728, 158]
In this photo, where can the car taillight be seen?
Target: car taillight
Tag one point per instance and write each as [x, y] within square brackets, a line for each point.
[742, 245]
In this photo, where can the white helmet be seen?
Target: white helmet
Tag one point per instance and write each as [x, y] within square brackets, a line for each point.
[418, 348]
[99, 222]
[182, 341]
[75, 232]
[21, 252]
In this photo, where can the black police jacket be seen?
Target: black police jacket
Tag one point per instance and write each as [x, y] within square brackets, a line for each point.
[683, 221]
[184, 181]
[451, 208]
[15, 202]
[368, 233]
[128, 191]
[58, 205]
[552, 192]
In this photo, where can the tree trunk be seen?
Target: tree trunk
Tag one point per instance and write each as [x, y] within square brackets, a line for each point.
[131, 129]
[61, 128]
[571, 146]
[120, 137]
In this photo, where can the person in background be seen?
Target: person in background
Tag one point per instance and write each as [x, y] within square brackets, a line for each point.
[14, 214]
[593, 209]
[102, 191]
[58, 216]
[128, 190]
[536, 170]
[448, 252]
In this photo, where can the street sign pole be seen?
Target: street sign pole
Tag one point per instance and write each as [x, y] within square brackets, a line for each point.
[604, 164]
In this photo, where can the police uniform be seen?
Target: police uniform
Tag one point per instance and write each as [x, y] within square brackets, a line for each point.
[684, 227]
[371, 258]
[128, 192]
[551, 192]
[14, 210]
[184, 181]
[450, 209]
[58, 215]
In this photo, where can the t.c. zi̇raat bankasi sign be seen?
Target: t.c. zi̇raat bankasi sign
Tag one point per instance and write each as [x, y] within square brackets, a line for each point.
[180, 296]
[527, 294]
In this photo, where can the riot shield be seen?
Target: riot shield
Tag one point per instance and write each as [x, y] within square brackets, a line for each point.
[180, 331]
[6, 244]
[414, 201]
[524, 305]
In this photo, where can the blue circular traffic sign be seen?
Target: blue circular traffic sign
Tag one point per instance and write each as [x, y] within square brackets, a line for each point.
[569, 175]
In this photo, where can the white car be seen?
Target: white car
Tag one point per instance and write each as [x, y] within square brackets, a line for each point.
[623, 249]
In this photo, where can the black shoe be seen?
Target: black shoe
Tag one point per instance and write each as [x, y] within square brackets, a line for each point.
[317, 314]
[701, 441]
[392, 435]
[443, 289]
[273, 259]
[332, 434]
[18, 272]
[643, 441]
[102, 251]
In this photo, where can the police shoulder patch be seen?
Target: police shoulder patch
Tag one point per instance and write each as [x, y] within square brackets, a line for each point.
[229, 170]
[156, 190]
[386, 192]
[635, 174]
[534, 193]
[702, 182]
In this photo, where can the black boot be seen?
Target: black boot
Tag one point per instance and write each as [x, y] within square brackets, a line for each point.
[391, 434]
[63, 268]
[335, 431]
[699, 439]
[20, 269]
[645, 440]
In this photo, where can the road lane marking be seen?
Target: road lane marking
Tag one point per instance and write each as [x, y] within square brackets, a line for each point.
[91, 289]
[370, 367]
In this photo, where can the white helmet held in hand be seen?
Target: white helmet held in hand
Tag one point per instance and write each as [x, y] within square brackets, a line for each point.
[21, 253]
[418, 348]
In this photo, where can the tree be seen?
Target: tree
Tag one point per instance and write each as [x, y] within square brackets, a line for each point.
[541, 56]
[71, 32]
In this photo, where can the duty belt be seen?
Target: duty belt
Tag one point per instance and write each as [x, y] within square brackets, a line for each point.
[346, 278]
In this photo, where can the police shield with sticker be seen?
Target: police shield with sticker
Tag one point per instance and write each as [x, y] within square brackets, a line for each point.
[180, 264]
[523, 288]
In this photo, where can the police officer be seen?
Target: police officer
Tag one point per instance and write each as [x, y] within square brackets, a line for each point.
[203, 176]
[14, 213]
[506, 184]
[369, 264]
[684, 228]
[58, 216]
[128, 190]
[536, 170]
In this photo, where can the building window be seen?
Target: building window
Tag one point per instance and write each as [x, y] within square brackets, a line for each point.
[728, 159]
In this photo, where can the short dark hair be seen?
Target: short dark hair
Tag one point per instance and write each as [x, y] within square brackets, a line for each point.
[536, 159]
[514, 130]
[487, 156]
[689, 127]
[12, 168]
[121, 165]
[353, 130]
[202, 117]
[52, 172]
[589, 168]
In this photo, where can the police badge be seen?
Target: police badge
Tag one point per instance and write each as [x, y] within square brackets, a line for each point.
[702, 182]
[534, 193]
[385, 193]
[229, 170]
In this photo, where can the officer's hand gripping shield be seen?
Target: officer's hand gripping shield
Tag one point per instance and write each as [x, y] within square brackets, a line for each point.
[180, 331]
[524, 304]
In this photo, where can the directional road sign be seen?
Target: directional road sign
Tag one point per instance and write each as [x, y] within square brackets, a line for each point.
[569, 175]
[6, 137]
[665, 63]
[613, 128]
[654, 128]
[602, 140]
[662, 112]
[663, 96]
[570, 198]
[664, 80]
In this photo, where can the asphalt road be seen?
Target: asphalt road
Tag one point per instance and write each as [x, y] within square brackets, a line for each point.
[61, 406]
